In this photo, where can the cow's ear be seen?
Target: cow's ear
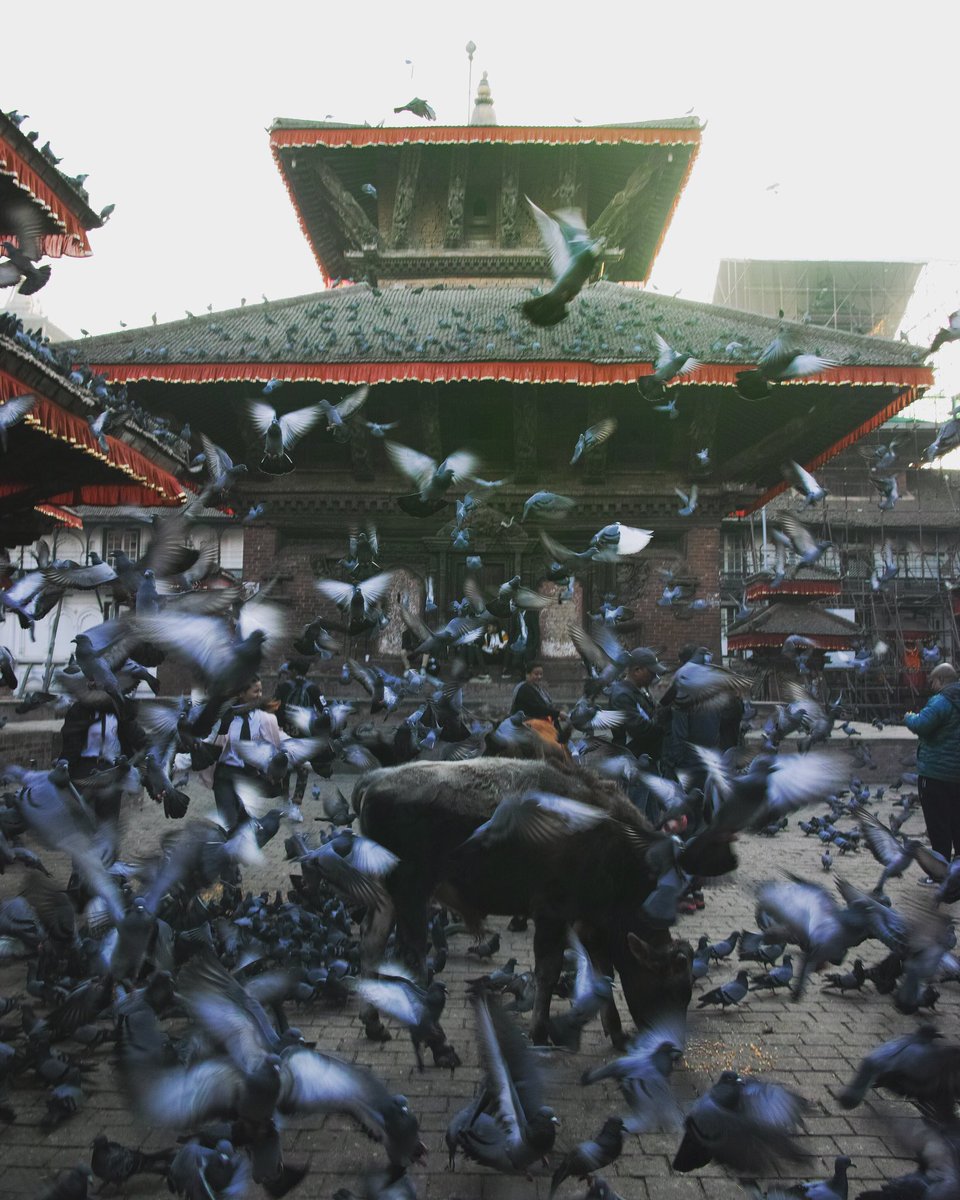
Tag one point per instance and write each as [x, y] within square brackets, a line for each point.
[639, 948]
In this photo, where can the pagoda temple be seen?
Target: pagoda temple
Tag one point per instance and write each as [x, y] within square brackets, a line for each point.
[426, 249]
[53, 460]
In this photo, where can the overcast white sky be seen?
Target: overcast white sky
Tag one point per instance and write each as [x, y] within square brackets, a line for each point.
[849, 106]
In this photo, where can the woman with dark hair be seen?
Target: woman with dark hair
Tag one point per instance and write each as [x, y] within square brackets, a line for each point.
[539, 711]
[244, 721]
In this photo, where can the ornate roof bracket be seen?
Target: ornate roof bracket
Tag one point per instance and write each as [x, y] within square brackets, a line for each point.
[349, 215]
[614, 222]
[456, 195]
[406, 194]
[509, 198]
[767, 448]
[565, 193]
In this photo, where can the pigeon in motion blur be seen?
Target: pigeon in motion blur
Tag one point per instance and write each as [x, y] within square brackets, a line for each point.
[280, 434]
[921, 1067]
[669, 365]
[573, 255]
[419, 108]
[949, 333]
[948, 438]
[507, 1127]
[590, 1156]
[803, 482]
[12, 413]
[744, 1123]
[780, 361]
[643, 1076]
[432, 479]
[20, 266]
[593, 437]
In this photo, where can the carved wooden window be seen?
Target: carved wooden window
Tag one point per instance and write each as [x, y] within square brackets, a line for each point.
[480, 219]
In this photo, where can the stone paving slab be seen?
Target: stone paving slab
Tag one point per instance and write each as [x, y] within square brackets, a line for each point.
[813, 1045]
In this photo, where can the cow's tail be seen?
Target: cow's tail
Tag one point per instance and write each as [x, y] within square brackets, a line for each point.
[359, 791]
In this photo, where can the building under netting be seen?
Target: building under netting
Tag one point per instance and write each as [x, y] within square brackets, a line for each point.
[859, 297]
[890, 574]
[427, 235]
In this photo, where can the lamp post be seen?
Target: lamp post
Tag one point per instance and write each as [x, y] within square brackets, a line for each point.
[471, 49]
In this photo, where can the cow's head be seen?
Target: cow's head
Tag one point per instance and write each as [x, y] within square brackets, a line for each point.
[655, 971]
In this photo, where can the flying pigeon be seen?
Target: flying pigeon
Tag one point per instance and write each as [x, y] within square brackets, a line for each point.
[419, 108]
[573, 256]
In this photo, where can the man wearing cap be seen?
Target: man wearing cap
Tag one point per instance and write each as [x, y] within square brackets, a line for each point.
[716, 727]
[641, 732]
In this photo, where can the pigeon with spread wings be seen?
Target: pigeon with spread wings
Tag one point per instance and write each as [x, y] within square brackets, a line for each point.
[573, 255]
[432, 479]
[280, 434]
[669, 365]
[779, 362]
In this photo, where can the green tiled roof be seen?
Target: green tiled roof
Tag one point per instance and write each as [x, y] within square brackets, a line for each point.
[608, 323]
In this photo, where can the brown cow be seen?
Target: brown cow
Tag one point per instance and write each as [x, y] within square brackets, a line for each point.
[596, 879]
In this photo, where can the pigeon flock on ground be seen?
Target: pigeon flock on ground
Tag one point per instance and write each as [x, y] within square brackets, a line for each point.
[151, 962]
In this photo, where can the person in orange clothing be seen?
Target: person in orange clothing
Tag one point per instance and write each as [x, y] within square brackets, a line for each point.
[540, 713]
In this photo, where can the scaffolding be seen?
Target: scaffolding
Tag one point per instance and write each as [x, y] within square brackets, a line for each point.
[919, 544]
[855, 297]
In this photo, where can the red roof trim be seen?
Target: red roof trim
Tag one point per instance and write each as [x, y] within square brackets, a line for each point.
[793, 587]
[275, 151]
[908, 393]
[160, 486]
[774, 641]
[589, 374]
[73, 241]
[442, 135]
[63, 515]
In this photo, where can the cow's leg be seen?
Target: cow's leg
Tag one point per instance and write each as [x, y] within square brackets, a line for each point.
[412, 899]
[374, 933]
[549, 938]
[602, 961]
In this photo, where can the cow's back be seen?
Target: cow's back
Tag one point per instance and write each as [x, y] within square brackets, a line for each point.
[423, 812]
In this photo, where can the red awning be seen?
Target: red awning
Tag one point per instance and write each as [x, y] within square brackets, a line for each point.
[774, 641]
[151, 485]
[464, 135]
[63, 515]
[793, 587]
[588, 374]
[73, 240]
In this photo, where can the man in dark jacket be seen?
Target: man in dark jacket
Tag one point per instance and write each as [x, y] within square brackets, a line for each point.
[716, 727]
[93, 737]
[294, 690]
[642, 732]
[938, 760]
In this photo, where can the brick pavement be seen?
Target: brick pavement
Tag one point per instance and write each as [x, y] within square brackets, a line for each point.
[813, 1046]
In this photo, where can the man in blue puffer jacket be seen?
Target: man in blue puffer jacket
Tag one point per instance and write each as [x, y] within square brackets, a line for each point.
[938, 760]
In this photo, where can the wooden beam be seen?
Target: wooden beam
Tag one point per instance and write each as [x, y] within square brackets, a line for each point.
[613, 222]
[354, 222]
[772, 448]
